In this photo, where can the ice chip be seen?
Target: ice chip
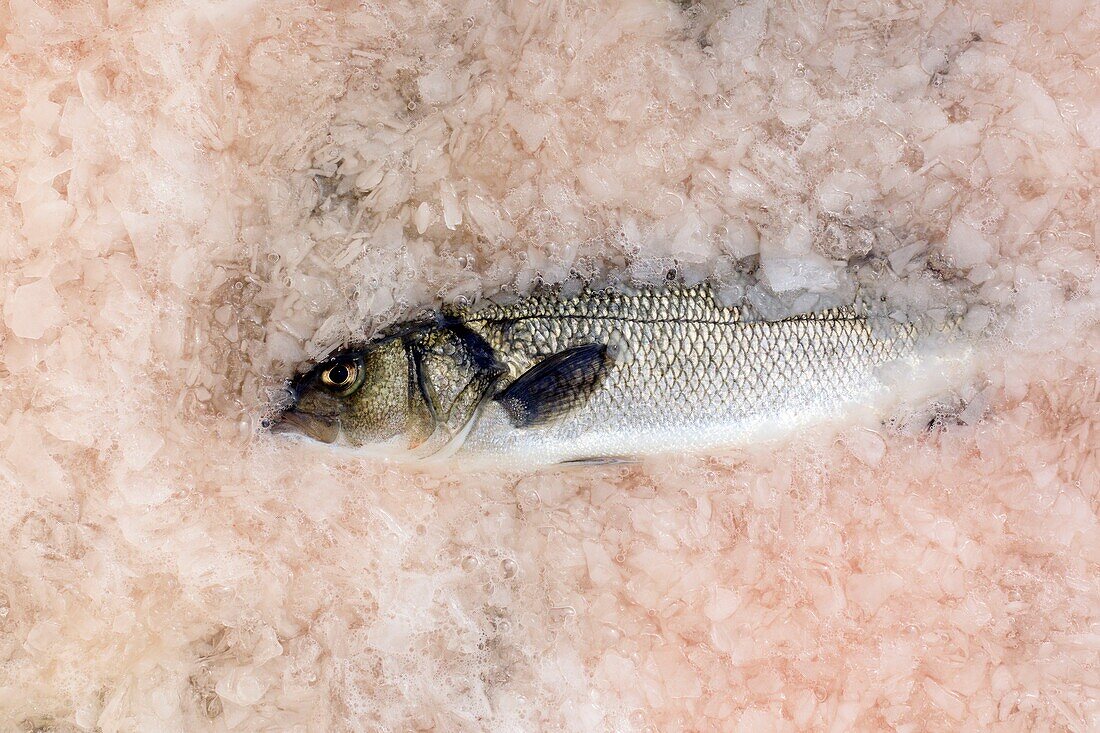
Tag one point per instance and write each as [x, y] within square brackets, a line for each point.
[437, 86]
[46, 220]
[966, 246]
[140, 447]
[866, 445]
[743, 28]
[485, 216]
[944, 699]
[722, 604]
[43, 636]
[739, 239]
[870, 590]
[33, 309]
[241, 686]
[809, 272]
[840, 191]
[531, 127]
[423, 217]
[452, 212]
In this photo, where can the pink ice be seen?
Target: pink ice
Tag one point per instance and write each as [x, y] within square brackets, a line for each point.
[196, 198]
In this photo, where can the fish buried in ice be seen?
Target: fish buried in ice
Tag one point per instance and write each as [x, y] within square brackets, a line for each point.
[601, 375]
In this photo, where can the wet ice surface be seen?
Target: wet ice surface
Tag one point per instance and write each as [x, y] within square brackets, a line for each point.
[198, 197]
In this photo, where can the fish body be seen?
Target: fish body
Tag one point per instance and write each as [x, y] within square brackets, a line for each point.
[607, 375]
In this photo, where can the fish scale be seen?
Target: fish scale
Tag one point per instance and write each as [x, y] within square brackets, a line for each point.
[686, 372]
[604, 374]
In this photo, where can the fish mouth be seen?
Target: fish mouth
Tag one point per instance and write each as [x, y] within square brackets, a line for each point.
[319, 427]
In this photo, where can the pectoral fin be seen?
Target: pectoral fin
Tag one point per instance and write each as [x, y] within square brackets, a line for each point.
[555, 386]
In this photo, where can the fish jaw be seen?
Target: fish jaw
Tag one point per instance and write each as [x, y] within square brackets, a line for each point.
[320, 428]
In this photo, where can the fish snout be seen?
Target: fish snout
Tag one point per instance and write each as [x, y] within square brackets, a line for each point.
[323, 428]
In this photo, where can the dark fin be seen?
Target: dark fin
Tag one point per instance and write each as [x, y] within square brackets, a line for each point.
[555, 385]
[598, 461]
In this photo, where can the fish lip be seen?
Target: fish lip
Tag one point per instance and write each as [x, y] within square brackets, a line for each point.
[323, 428]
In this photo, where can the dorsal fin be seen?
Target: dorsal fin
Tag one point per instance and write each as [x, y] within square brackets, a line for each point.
[839, 313]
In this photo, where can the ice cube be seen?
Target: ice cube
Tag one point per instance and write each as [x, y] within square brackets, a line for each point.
[966, 246]
[423, 217]
[452, 212]
[870, 590]
[866, 445]
[810, 272]
[241, 686]
[33, 309]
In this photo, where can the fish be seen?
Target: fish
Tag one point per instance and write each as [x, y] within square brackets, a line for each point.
[607, 375]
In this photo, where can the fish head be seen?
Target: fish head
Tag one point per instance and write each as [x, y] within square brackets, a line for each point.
[358, 397]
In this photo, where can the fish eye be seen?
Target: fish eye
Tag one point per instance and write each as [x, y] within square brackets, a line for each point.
[341, 376]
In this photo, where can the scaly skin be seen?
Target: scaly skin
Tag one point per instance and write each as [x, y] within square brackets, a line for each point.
[687, 373]
[681, 372]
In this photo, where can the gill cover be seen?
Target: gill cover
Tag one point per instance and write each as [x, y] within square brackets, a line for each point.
[452, 371]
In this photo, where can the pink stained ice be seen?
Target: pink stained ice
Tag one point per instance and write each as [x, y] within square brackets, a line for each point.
[196, 198]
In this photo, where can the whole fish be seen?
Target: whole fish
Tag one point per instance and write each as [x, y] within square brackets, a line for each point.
[604, 375]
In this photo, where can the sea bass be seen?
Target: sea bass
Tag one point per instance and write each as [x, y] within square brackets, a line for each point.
[603, 375]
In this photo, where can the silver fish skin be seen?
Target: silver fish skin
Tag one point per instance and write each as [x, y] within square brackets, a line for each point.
[609, 375]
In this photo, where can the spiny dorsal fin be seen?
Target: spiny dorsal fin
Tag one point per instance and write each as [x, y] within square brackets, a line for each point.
[556, 385]
[838, 313]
